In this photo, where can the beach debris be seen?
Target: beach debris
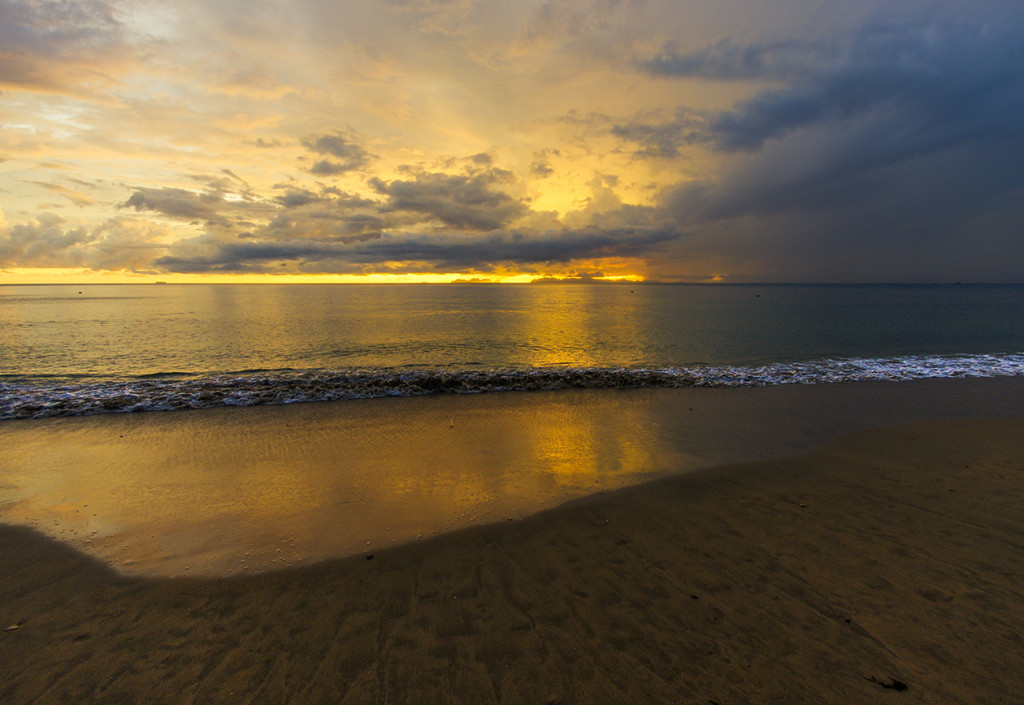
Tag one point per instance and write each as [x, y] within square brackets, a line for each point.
[893, 684]
[803, 505]
[12, 628]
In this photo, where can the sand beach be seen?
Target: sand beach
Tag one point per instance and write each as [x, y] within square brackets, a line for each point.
[882, 566]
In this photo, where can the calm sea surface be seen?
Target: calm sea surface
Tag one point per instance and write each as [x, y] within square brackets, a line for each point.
[72, 350]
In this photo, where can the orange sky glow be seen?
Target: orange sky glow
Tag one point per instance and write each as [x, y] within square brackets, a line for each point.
[449, 140]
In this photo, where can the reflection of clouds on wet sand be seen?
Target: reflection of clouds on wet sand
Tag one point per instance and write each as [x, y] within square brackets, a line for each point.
[274, 486]
[227, 490]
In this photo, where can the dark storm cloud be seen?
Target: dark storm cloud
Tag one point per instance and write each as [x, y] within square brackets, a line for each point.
[913, 95]
[934, 95]
[954, 82]
[341, 147]
[893, 155]
[727, 60]
[462, 201]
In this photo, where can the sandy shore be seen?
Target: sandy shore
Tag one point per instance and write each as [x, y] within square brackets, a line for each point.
[887, 566]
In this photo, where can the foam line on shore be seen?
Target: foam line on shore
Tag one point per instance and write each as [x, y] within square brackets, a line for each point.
[22, 398]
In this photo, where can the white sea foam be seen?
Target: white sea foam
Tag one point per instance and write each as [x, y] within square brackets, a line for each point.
[40, 399]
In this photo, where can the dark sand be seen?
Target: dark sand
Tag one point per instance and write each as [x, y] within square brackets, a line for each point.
[889, 558]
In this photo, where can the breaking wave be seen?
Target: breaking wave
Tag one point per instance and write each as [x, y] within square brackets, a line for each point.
[40, 399]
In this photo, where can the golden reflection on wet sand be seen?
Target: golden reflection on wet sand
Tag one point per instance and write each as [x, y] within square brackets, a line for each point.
[226, 490]
[222, 491]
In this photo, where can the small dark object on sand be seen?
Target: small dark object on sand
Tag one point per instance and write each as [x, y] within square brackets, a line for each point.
[893, 684]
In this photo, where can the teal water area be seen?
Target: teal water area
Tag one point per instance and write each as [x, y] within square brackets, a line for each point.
[114, 332]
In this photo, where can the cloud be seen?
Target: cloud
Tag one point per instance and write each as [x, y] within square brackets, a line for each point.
[455, 253]
[328, 224]
[117, 244]
[339, 145]
[444, 17]
[541, 169]
[449, 252]
[178, 203]
[76, 197]
[913, 95]
[663, 139]
[729, 60]
[325, 167]
[126, 244]
[294, 198]
[594, 276]
[888, 153]
[264, 143]
[41, 242]
[468, 201]
[57, 45]
[952, 82]
[825, 144]
[429, 222]
[577, 18]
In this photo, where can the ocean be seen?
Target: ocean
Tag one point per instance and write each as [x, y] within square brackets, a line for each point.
[71, 350]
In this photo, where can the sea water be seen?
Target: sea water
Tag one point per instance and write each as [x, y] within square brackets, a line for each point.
[69, 350]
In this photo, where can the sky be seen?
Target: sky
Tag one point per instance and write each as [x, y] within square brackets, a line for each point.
[465, 140]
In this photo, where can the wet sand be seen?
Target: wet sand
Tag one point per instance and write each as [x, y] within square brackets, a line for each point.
[221, 492]
[885, 566]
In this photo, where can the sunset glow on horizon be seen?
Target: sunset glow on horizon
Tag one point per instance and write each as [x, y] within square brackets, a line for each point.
[470, 140]
[85, 276]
